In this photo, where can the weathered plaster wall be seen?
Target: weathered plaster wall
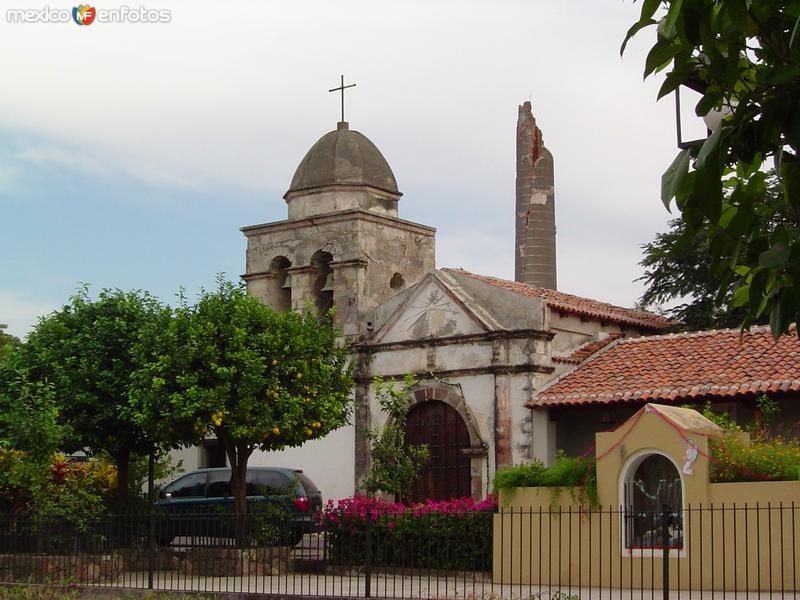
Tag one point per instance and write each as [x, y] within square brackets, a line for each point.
[373, 257]
[494, 378]
[335, 198]
[573, 331]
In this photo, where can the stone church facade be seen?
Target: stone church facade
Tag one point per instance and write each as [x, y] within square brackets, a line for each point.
[479, 347]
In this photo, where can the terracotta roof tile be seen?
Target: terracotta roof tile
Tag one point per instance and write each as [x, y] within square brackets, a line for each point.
[584, 351]
[579, 306]
[679, 367]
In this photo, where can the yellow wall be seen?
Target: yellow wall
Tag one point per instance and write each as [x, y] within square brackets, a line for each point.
[542, 538]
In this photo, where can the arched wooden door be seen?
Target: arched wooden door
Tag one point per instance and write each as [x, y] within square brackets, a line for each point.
[446, 474]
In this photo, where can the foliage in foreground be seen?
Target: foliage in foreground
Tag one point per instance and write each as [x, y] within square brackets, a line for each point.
[85, 356]
[679, 268]
[232, 367]
[7, 341]
[395, 465]
[745, 57]
[435, 535]
[577, 474]
[752, 452]
[734, 459]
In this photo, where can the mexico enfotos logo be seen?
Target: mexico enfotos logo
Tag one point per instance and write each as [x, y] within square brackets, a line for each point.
[85, 14]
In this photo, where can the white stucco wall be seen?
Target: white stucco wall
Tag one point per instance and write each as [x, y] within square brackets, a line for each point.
[329, 461]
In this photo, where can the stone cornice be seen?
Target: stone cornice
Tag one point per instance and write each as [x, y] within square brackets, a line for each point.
[258, 275]
[488, 370]
[536, 334]
[338, 187]
[355, 214]
[358, 263]
[301, 269]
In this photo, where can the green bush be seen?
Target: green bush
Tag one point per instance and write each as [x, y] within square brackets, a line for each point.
[763, 459]
[578, 474]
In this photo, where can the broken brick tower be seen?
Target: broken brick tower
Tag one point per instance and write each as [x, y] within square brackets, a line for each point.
[535, 255]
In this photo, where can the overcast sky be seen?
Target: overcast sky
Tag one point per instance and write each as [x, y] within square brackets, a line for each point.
[130, 154]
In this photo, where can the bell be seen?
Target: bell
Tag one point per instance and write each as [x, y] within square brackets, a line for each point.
[328, 287]
[287, 283]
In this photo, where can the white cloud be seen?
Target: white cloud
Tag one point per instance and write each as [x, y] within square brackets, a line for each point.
[96, 163]
[43, 155]
[21, 313]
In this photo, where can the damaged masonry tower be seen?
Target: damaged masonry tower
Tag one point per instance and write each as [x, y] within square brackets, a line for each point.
[535, 256]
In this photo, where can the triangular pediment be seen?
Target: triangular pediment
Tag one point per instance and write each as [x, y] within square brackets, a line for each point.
[430, 311]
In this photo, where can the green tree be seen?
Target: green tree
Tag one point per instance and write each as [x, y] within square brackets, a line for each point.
[395, 465]
[745, 57]
[85, 354]
[7, 342]
[675, 270]
[232, 367]
[679, 266]
[29, 415]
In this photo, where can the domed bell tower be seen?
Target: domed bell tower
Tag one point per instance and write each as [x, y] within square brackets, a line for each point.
[342, 244]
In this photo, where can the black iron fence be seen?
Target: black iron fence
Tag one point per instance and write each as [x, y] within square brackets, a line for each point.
[725, 551]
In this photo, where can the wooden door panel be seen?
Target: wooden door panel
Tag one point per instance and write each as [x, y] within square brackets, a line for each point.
[446, 474]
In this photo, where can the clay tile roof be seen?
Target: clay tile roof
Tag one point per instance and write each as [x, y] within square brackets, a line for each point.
[584, 351]
[579, 306]
[681, 367]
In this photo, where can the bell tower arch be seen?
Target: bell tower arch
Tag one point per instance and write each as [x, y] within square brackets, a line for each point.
[343, 240]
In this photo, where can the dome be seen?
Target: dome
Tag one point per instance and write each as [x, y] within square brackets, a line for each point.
[343, 157]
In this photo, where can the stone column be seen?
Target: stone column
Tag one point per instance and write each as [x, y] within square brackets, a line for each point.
[502, 408]
[302, 281]
[258, 284]
[543, 436]
[348, 294]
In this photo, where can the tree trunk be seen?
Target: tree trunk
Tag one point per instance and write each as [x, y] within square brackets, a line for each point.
[238, 455]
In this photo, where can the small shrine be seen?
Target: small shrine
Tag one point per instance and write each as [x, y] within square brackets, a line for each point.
[655, 501]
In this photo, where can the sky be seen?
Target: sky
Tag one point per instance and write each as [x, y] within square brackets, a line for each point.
[132, 153]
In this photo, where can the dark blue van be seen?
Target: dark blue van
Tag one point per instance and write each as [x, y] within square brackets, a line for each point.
[195, 504]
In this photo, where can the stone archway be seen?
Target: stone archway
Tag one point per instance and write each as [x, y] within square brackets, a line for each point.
[439, 418]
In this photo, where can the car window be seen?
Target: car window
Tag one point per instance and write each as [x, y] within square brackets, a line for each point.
[309, 485]
[266, 483]
[219, 484]
[191, 486]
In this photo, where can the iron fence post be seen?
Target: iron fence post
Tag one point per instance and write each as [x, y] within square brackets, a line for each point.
[151, 521]
[665, 544]
[368, 557]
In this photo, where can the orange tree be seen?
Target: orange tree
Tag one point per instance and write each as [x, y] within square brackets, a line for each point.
[232, 367]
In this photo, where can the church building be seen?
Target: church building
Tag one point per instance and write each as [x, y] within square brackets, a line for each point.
[480, 348]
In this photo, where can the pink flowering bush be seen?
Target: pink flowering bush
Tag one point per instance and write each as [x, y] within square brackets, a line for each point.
[449, 534]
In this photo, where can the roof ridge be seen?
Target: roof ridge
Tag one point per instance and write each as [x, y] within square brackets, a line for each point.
[680, 367]
[566, 302]
[691, 334]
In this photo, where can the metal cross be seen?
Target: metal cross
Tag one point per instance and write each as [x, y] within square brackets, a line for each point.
[342, 88]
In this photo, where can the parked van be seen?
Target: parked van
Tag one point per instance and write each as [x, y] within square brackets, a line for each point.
[196, 501]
